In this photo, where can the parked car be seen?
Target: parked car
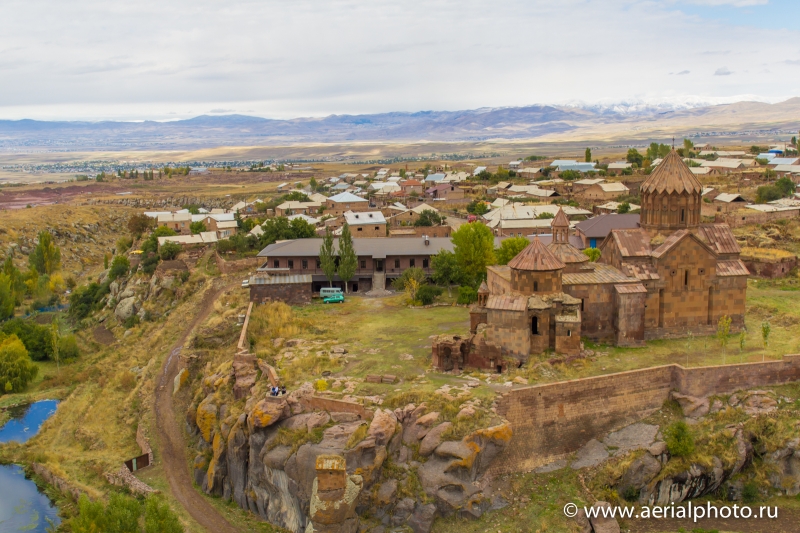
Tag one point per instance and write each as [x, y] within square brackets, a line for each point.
[245, 284]
[334, 298]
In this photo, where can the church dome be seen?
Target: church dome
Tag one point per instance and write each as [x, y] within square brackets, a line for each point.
[672, 175]
[536, 257]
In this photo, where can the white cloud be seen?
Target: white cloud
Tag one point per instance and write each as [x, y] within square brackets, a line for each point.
[734, 3]
[722, 71]
[287, 58]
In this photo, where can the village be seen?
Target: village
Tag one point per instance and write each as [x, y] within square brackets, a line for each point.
[415, 349]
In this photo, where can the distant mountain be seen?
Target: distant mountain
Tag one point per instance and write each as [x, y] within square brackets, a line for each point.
[528, 122]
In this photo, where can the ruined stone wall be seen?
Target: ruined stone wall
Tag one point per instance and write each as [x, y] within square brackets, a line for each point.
[568, 337]
[553, 420]
[770, 270]
[291, 293]
[337, 406]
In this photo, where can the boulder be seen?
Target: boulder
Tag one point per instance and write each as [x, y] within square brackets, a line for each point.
[433, 439]
[602, 524]
[421, 519]
[786, 473]
[402, 511]
[758, 404]
[125, 309]
[592, 454]
[658, 449]
[633, 437]
[692, 406]
[127, 293]
[383, 426]
[267, 412]
[317, 420]
[639, 474]
[387, 492]
[584, 526]
[206, 418]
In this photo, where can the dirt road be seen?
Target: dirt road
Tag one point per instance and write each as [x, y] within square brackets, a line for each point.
[173, 447]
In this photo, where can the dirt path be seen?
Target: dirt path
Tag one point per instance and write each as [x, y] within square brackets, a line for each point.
[788, 521]
[173, 447]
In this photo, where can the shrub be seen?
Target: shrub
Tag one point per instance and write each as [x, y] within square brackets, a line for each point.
[159, 518]
[124, 244]
[36, 338]
[197, 227]
[467, 295]
[679, 439]
[150, 263]
[413, 273]
[68, 348]
[119, 267]
[84, 300]
[321, 385]
[16, 368]
[169, 251]
[750, 492]
[428, 293]
[131, 321]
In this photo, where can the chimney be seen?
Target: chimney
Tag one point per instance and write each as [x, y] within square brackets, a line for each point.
[427, 241]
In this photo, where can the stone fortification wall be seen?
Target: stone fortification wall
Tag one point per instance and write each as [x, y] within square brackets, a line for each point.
[553, 420]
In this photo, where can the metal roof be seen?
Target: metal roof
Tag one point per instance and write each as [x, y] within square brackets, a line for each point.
[346, 197]
[362, 218]
[378, 247]
[600, 226]
[280, 279]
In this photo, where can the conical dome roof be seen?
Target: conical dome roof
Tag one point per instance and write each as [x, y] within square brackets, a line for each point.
[672, 175]
[536, 256]
[567, 253]
[560, 220]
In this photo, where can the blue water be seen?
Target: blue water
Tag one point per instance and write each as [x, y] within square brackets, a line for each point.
[22, 506]
[26, 421]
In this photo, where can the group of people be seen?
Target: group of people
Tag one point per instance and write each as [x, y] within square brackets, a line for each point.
[277, 391]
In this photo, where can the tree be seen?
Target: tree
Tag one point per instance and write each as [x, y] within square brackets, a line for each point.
[570, 175]
[768, 193]
[193, 209]
[7, 299]
[429, 217]
[623, 208]
[46, 257]
[742, 340]
[446, 270]
[592, 253]
[588, 155]
[426, 294]
[794, 141]
[348, 260]
[163, 231]
[159, 518]
[509, 249]
[765, 329]
[545, 215]
[197, 227]
[477, 207]
[688, 146]
[35, 337]
[16, 368]
[140, 224]
[169, 251]
[786, 186]
[723, 330]
[413, 276]
[327, 256]
[634, 157]
[313, 184]
[55, 338]
[473, 245]
[120, 266]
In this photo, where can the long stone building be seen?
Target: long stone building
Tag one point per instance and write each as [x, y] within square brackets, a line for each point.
[670, 276]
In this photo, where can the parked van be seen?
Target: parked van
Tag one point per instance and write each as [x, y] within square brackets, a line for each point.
[325, 292]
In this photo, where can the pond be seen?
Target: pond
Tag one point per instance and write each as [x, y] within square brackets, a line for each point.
[26, 420]
[23, 507]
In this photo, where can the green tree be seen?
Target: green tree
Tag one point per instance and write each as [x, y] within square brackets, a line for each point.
[592, 253]
[7, 298]
[16, 368]
[768, 193]
[545, 215]
[570, 175]
[587, 156]
[688, 146]
[120, 266]
[197, 227]
[426, 294]
[163, 231]
[446, 270]
[473, 245]
[313, 184]
[193, 209]
[348, 260]
[765, 330]
[327, 256]
[477, 207]
[786, 186]
[46, 257]
[429, 217]
[169, 251]
[623, 208]
[634, 157]
[413, 276]
[723, 330]
[55, 337]
[35, 337]
[510, 248]
[679, 439]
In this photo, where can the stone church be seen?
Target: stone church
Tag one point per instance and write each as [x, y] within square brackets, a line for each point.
[671, 276]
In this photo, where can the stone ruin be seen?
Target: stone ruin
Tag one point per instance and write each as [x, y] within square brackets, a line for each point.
[333, 497]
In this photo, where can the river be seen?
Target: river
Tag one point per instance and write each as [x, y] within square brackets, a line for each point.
[23, 507]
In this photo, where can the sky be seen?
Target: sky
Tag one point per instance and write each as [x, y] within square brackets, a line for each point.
[170, 59]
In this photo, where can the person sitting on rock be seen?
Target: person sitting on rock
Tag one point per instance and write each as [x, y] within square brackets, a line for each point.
[283, 390]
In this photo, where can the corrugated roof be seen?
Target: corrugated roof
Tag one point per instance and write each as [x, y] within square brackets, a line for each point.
[280, 279]
[600, 226]
[733, 267]
[346, 197]
[672, 175]
[599, 273]
[632, 242]
[536, 257]
[363, 247]
[630, 288]
[719, 238]
[507, 302]
[728, 197]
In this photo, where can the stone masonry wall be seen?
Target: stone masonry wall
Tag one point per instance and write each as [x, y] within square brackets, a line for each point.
[553, 420]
